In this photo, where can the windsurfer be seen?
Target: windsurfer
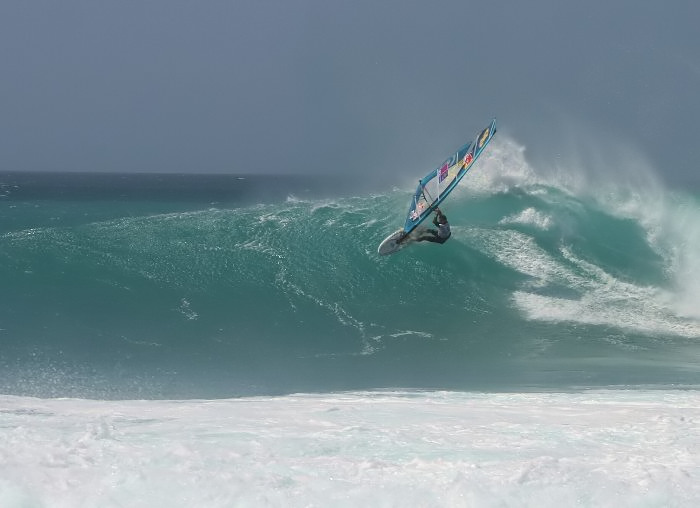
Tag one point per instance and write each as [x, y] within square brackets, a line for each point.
[439, 235]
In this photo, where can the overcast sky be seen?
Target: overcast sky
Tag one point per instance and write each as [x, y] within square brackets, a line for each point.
[248, 86]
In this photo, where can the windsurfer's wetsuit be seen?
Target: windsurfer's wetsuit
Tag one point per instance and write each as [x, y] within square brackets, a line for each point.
[441, 235]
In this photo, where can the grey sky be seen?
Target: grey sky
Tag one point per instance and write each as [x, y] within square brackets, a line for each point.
[251, 86]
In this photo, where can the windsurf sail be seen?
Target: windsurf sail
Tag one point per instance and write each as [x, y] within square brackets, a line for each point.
[434, 187]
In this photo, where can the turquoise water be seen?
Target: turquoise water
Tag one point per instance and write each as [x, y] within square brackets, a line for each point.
[157, 291]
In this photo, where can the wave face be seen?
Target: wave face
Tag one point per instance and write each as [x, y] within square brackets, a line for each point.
[544, 284]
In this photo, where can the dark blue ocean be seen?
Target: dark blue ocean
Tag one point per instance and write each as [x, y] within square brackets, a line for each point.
[207, 286]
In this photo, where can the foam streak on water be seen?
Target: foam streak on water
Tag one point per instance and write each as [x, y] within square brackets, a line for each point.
[598, 448]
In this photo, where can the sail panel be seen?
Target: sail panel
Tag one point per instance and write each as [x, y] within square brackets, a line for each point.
[434, 187]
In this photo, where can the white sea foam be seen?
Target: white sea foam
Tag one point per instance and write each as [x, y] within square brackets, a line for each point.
[501, 166]
[530, 217]
[599, 299]
[624, 184]
[672, 233]
[685, 257]
[521, 253]
[604, 448]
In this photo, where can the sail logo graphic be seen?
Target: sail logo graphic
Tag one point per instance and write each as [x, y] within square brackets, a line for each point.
[420, 208]
[484, 136]
[444, 170]
[468, 159]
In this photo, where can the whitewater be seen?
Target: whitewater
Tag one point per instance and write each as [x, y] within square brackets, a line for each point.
[214, 343]
[607, 448]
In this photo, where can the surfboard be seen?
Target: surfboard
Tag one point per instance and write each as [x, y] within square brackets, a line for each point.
[434, 187]
[392, 244]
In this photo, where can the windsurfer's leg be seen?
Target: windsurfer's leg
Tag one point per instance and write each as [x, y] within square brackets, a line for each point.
[429, 235]
[442, 240]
